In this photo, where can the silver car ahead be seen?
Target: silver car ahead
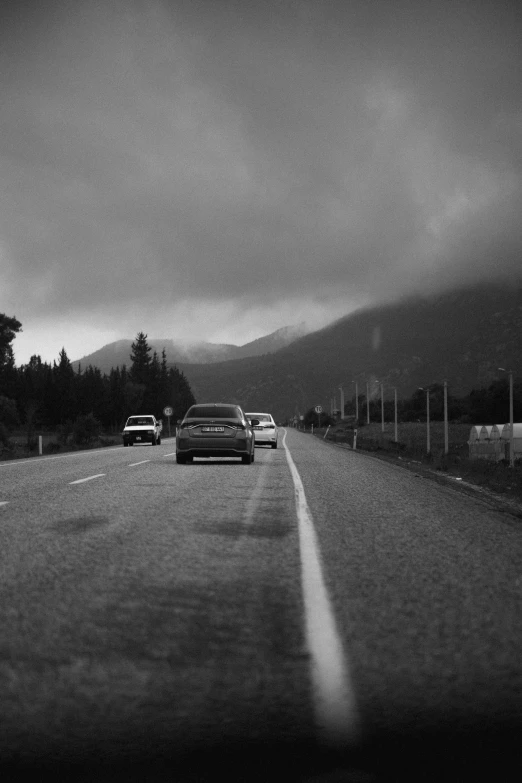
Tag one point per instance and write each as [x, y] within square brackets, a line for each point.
[215, 430]
[265, 430]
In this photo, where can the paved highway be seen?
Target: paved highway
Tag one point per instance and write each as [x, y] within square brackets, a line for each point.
[318, 613]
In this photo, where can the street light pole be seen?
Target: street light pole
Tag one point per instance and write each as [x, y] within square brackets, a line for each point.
[367, 402]
[446, 438]
[342, 402]
[511, 426]
[511, 434]
[395, 405]
[428, 444]
[356, 401]
[382, 407]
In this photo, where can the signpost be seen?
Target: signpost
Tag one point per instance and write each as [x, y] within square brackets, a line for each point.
[167, 411]
[318, 409]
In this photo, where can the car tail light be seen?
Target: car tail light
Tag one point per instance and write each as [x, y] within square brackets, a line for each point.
[240, 427]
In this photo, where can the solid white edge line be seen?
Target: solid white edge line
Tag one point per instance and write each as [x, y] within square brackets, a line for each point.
[334, 698]
[89, 478]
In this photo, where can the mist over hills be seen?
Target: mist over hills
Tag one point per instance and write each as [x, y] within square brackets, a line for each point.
[117, 354]
[462, 336]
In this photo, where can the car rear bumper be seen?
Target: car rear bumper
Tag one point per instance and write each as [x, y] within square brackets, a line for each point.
[212, 453]
[261, 439]
[207, 447]
[138, 438]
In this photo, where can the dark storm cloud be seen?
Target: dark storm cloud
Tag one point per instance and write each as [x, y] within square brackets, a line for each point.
[266, 153]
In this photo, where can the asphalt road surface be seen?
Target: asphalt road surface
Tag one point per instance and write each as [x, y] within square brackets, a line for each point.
[317, 615]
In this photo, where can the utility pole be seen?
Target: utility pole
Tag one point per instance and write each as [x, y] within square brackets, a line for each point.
[428, 444]
[511, 432]
[395, 405]
[446, 438]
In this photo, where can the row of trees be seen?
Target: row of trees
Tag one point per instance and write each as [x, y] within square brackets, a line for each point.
[38, 394]
[482, 406]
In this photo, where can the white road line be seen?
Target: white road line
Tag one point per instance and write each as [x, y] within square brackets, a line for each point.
[4, 502]
[133, 464]
[334, 698]
[89, 478]
[172, 454]
[39, 460]
[256, 494]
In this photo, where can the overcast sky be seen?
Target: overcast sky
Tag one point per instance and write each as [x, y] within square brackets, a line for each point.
[215, 169]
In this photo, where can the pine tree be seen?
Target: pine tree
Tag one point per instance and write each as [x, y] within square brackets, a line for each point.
[152, 397]
[64, 403]
[181, 393]
[8, 330]
[164, 390]
[141, 361]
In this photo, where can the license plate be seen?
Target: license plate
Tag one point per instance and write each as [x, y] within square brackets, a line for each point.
[138, 437]
[212, 429]
[258, 428]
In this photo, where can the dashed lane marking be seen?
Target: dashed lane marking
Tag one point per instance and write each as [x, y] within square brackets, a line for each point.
[89, 478]
[4, 502]
[334, 698]
[133, 464]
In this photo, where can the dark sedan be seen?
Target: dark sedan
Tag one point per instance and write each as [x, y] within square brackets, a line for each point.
[215, 430]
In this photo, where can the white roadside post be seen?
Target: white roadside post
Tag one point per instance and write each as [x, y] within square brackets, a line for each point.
[167, 411]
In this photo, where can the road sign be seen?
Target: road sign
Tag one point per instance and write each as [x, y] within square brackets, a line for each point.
[168, 411]
[318, 409]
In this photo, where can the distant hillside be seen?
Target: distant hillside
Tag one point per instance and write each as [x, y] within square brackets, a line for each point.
[463, 337]
[118, 353]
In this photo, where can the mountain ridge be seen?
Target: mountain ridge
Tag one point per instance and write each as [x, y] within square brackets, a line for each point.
[117, 353]
[463, 337]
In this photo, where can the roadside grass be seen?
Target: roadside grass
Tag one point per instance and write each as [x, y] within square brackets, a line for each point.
[19, 446]
[411, 447]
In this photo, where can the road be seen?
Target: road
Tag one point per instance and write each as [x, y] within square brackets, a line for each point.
[318, 612]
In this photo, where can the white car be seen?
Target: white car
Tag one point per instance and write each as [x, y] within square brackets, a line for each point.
[266, 431]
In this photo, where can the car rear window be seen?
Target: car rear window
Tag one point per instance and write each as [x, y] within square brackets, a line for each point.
[213, 412]
[260, 416]
[140, 421]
